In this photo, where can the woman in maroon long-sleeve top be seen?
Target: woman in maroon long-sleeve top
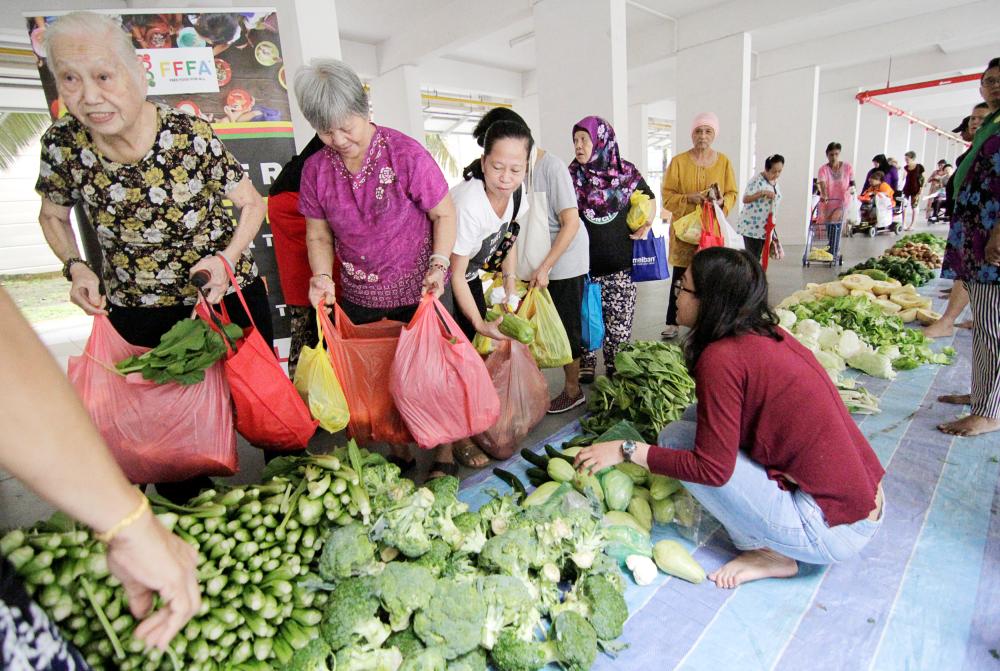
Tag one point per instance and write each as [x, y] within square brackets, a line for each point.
[769, 450]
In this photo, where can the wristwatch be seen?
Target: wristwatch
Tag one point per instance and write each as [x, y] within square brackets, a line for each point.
[628, 449]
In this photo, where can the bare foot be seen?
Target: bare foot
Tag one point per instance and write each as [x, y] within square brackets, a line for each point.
[940, 329]
[754, 565]
[973, 425]
[956, 399]
[967, 324]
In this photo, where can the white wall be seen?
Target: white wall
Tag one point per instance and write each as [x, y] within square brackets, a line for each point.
[22, 246]
[791, 135]
[837, 118]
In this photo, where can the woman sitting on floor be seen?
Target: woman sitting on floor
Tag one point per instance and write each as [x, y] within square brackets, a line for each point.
[788, 486]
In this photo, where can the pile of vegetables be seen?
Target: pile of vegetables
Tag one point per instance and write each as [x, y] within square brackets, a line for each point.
[184, 352]
[650, 389]
[935, 242]
[888, 294]
[336, 562]
[856, 331]
[630, 500]
[917, 251]
[905, 271]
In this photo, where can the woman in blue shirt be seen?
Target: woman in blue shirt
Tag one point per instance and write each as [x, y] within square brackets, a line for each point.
[760, 199]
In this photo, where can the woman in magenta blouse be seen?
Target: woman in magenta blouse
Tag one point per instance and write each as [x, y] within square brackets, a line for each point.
[377, 197]
[788, 486]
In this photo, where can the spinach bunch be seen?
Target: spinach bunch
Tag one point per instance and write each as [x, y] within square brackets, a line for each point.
[184, 352]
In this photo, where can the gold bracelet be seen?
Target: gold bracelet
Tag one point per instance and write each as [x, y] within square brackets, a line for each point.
[107, 536]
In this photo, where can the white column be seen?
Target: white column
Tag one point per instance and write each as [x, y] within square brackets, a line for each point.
[791, 135]
[308, 29]
[638, 127]
[527, 107]
[896, 142]
[872, 133]
[582, 70]
[936, 143]
[715, 77]
[396, 101]
[837, 117]
[929, 163]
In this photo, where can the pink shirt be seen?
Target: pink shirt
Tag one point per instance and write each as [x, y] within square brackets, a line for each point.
[837, 185]
[378, 217]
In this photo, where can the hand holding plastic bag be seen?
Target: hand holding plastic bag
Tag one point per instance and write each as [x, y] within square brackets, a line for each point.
[317, 382]
[524, 398]
[551, 346]
[439, 383]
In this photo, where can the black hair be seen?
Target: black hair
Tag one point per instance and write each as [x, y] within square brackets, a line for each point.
[218, 28]
[491, 117]
[942, 162]
[883, 163]
[878, 174]
[732, 300]
[500, 130]
[981, 106]
[833, 146]
[911, 154]
[772, 159]
[994, 63]
[290, 177]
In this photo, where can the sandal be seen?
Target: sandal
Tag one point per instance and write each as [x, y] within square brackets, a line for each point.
[440, 469]
[669, 333]
[466, 453]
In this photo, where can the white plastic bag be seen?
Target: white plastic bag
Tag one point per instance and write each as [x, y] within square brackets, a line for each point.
[852, 211]
[533, 242]
[733, 239]
[883, 210]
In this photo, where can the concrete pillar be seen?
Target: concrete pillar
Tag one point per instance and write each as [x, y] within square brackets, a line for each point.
[581, 54]
[715, 77]
[928, 162]
[638, 127]
[837, 117]
[396, 102]
[934, 144]
[791, 135]
[527, 107]
[897, 138]
[873, 130]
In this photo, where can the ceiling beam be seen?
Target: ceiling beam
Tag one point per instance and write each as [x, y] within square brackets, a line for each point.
[453, 25]
[905, 68]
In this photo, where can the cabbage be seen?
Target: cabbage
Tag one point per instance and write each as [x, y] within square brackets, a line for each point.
[830, 361]
[829, 336]
[786, 319]
[891, 351]
[808, 328]
[849, 345]
[873, 363]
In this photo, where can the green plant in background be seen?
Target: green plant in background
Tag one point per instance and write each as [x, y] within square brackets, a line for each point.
[439, 150]
[18, 130]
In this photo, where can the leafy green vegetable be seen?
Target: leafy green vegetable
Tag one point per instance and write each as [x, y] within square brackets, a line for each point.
[907, 271]
[935, 242]
[183, 354]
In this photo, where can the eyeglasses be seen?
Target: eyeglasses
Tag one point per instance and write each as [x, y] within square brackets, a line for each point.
[680, 288]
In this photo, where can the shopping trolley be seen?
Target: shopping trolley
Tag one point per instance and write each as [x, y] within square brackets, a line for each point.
[819, 232]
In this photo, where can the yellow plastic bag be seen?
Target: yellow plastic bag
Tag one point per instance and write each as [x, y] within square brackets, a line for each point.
[551, 345]
[688, 228]
[317, 383]
[641, 209]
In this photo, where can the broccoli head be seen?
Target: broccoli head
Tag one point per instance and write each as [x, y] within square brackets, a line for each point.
[597, 599]
[512, 553]
[470, 661]
[607, 567]
[406, 642]
[350, 616]
[347, 552]
[573, 645]
[453, 619]
[428, 659]
[403, 587]
[509, 603]
[315, 656]
[444, 489]
[357, 659]
[473, 535]
[402, 524]
[436, 558]
[498, 512]
[440, 520]
[512, 653]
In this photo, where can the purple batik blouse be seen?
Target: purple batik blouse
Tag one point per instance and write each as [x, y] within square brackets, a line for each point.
[378, 217]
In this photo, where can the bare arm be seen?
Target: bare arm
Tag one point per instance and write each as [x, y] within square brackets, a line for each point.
[466, 303]
[444, 223]
[79, 477]
[252, 212]
[58, 230]
[319, 245]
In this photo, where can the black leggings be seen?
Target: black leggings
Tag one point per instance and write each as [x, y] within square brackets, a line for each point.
[144, 326]
[754, 245]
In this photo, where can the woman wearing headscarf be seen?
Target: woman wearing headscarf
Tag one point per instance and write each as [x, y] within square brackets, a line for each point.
[889, 171]
[685, 188]
[604, 183]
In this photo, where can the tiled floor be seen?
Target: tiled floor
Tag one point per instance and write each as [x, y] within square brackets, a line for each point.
[67, 337]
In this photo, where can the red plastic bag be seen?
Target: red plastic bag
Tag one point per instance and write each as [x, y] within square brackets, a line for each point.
[524, 398]
[711, 232]
[270, 413]
[362, 356]
[438, 381]
[156, 432]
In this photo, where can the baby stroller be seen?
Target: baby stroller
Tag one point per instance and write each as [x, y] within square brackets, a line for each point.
[877, 216]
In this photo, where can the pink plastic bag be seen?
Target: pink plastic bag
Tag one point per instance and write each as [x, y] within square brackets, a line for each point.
[524, 398]
[156, 432]
[439, 382]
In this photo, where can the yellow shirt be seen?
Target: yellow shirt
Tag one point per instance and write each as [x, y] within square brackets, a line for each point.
[684, 177]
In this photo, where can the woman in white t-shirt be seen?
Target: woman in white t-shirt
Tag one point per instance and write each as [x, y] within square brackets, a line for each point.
[487, 205]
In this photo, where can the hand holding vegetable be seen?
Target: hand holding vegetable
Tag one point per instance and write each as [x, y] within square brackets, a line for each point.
[149, 560]
[491, 329]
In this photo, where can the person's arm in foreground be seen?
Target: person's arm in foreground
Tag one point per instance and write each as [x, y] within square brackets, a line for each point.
[57, 452]
[444, 226]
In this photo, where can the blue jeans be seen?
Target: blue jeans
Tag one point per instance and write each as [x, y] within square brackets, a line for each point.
[758, 514]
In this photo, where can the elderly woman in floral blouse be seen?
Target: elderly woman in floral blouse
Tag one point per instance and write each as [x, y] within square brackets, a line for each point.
[151, 180]
[379, 197]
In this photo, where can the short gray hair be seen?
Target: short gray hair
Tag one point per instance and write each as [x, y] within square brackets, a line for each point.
[329, 91]
[95, 27]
